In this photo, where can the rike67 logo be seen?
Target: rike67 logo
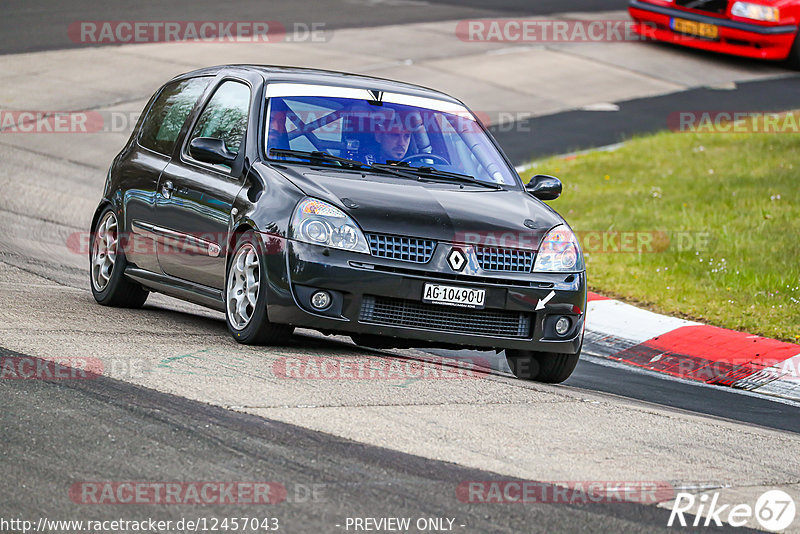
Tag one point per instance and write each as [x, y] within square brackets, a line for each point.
[774, 511]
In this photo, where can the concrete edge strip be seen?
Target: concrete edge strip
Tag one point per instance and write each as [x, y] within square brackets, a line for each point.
[522, 169]
[690, 350]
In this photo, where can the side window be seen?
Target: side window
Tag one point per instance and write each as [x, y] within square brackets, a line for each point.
[166, 116]
[225, 116]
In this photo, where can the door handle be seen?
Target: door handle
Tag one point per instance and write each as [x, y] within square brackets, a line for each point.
[167, 188]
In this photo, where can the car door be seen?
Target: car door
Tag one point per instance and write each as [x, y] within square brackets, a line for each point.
[149, 153]
[195, 199]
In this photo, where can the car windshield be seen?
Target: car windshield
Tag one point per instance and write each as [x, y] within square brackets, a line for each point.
[383, 128]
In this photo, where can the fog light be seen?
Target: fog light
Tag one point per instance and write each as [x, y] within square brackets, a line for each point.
[321, 300]
[562, 326]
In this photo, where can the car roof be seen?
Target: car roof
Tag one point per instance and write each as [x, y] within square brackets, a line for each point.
[278, 73]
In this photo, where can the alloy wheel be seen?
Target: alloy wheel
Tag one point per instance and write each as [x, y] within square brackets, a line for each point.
[104, 251]
[244, 278]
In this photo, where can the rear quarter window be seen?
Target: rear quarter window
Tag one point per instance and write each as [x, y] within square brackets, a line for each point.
[167, 115]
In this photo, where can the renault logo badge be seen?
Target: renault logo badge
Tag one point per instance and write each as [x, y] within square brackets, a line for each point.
[456, 259]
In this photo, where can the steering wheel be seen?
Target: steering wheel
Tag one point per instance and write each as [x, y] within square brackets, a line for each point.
[422, 155]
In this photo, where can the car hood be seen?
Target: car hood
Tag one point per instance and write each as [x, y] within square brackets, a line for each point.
[440, 211]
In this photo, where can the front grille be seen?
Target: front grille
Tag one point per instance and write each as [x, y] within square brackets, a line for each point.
[401, 248]
[505, 259]
[435, 275]
[410, 313]
[712, 6]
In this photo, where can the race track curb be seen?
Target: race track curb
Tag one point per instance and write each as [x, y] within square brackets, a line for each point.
[689, 350]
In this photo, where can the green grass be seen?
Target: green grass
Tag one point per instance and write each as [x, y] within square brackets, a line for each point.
[741, 190]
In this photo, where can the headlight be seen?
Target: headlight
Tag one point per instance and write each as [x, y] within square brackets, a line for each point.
[755, 11]
[559, 253]
[320, 223]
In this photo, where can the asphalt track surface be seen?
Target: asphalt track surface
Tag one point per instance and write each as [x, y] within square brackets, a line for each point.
[685, 395]
[35, 25]
[597, 374]
[569, 131]
[104, 429]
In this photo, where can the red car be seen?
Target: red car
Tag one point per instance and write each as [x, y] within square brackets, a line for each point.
[763, 29]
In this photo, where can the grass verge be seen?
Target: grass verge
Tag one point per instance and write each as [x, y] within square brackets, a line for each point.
[700, 225]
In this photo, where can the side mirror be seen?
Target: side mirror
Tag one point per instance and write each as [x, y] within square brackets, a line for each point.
[211, 150]
[544, 187]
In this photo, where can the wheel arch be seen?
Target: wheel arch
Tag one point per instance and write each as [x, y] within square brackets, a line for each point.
[100, 208]
[242, 226]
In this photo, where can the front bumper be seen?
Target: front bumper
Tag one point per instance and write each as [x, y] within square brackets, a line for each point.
[360, 283]
[746, 39]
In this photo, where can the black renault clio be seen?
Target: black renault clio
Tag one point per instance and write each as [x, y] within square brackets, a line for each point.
[291, 197]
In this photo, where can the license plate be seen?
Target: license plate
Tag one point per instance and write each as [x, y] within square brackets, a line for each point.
[463, 297]
[701, 29]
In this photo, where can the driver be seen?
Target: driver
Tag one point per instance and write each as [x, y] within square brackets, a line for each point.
[393, 139]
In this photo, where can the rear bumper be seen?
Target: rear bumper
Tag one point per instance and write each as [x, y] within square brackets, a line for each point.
[760, 41]
[365, 287]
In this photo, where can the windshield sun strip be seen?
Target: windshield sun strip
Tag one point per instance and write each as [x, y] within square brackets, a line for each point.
[280, 89]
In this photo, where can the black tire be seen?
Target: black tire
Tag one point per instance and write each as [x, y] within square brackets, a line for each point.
[118, 291]
[547, 367]
[258, 330]
[794, 54]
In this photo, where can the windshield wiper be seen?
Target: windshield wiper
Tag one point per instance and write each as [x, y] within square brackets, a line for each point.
[316, 155]
[355, 164]
[436, 173]
[403, 170]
